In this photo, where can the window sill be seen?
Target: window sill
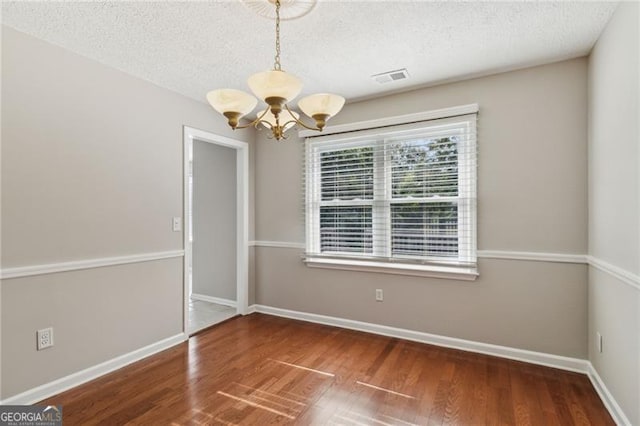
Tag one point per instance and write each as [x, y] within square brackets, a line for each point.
[445, 272]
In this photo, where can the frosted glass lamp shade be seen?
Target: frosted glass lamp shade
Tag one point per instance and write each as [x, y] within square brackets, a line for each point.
[230, 100]
[284, 117]
[274, 83]
[321, 103]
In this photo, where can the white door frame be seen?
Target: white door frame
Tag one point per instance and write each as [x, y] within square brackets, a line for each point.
[242, 209]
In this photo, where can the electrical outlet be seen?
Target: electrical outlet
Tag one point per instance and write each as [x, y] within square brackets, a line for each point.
[379, 295]
[45, 338]
[599, 341]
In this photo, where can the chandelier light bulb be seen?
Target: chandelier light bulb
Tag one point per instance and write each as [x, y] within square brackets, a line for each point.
[321, 103]
[275, 84]
[231, 100]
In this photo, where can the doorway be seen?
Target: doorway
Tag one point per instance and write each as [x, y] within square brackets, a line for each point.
[216, 229]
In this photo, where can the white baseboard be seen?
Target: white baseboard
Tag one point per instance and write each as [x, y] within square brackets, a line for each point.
[539, 358]
[548, 360]
[564, 363]
[211, 299]
[65, 383]
[607, 399]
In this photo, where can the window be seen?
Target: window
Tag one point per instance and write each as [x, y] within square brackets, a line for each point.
[399, 199]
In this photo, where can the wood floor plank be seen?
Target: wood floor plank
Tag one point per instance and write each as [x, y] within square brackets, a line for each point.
[264, 370]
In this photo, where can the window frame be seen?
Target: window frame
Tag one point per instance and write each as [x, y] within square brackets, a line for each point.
[381, 259]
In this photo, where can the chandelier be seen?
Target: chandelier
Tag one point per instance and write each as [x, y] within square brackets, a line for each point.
[276, 88]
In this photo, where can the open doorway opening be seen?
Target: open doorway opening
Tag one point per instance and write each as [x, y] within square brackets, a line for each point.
[216, 226]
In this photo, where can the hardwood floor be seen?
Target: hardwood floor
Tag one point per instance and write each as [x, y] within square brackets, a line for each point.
[261, 370]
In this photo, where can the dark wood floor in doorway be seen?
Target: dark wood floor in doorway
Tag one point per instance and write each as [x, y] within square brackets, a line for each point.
[262, 370]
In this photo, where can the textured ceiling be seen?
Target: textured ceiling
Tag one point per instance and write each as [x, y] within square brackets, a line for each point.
[194, 47]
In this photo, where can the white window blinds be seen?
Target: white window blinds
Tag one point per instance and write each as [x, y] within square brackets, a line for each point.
[401, 194]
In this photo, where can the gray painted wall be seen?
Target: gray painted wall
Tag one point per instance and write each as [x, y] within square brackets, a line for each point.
[532, 196]
[97, 314]
[91, 168]
[214, 220]
[614, 205]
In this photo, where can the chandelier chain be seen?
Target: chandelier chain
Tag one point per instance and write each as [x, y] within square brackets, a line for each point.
[276, 64]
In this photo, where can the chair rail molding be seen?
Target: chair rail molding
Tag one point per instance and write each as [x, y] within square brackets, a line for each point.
[76, 265]
[483, 254]
[623, 275]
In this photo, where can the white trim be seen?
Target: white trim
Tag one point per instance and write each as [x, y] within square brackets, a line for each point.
[565, 363]
[539, 358]
[617, 272]
[64, 383]
[242, 209]
[191, 133]
[392, 121]
[76, 265]
[533, 256]
[623, 275]
[216, 300]
[607, 399]
[466, 274]
[486, 254]
[187, 166]
[242, 200]
[279, 244]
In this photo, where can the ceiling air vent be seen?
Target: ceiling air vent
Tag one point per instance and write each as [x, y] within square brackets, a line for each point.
[389, 76]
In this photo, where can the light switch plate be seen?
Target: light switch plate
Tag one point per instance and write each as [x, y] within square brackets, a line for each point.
[177, 224]
[379, 295]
